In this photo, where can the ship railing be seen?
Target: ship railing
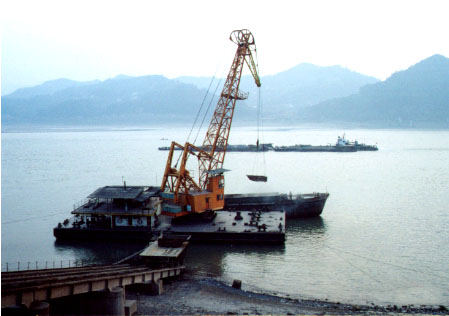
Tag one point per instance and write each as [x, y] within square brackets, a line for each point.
[299, 196]
[44, 265]
[80, 204]
[308, 195]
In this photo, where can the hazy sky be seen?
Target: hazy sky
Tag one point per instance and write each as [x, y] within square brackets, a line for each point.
[85, 40]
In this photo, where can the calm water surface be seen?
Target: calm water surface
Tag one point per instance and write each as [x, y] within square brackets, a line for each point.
[383, 236]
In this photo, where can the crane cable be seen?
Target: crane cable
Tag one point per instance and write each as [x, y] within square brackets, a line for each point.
[260, 117]
[198, 114]
[263, 139]
[208, 108]
[260, 138]
[201, 107]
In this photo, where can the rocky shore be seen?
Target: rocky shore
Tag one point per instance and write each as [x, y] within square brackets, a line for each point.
[199, 296]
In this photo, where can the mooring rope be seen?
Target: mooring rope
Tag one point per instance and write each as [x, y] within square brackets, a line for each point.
[388, 263]
[32, 218]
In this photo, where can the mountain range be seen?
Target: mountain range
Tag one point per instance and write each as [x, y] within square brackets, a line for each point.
[418, 96]
[298, 87]
[121, 100]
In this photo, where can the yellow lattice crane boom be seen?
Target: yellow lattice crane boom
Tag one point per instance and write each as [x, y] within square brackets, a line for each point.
[182, 194]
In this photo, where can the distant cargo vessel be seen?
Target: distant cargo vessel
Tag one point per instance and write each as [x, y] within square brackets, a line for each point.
[311, 148]
[237, 148]
[342, 145]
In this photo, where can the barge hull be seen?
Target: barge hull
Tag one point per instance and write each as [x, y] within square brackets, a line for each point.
[71, 233]
[236, 238]
[295, 206]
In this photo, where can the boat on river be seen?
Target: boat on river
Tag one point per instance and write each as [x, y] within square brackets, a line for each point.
[234, 148]
[295, 206]
[342, 145]
[114, 212]
[134, 213]
[312, 148]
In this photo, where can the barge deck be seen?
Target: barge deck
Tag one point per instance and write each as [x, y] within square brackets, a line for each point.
[232, 227]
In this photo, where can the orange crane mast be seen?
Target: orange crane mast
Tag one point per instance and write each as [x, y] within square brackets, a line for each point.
[181, 193]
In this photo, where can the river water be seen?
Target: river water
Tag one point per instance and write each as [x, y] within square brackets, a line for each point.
[383, 236]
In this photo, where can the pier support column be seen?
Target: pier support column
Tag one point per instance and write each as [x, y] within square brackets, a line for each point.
[155, 287]
[106, 302]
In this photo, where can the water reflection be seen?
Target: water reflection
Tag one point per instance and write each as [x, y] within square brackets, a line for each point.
[210, 260]
[306, 226]
[201, 259]
[98, 252]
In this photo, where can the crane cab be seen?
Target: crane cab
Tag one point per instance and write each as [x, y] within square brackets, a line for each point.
[211, 199]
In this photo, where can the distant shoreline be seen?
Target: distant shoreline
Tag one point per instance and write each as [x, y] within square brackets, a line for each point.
[39, 128]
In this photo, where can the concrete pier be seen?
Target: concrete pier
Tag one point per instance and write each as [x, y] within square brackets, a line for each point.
[130, 307]
[154, 287]
[105, 302]
[96, 290]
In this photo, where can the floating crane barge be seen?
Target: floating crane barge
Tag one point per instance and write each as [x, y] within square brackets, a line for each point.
[134, 213]
[187, 206]
[137, 216]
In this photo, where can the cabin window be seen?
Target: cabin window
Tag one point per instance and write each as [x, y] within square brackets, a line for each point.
[219, 197]
[221, 183]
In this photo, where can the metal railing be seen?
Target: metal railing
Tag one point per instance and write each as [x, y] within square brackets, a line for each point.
[44, 265]
[80, 203]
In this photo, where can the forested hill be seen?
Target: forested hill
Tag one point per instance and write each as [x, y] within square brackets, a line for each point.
[121, 100]
[418, 96]
[152, 100]
[301, 86]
